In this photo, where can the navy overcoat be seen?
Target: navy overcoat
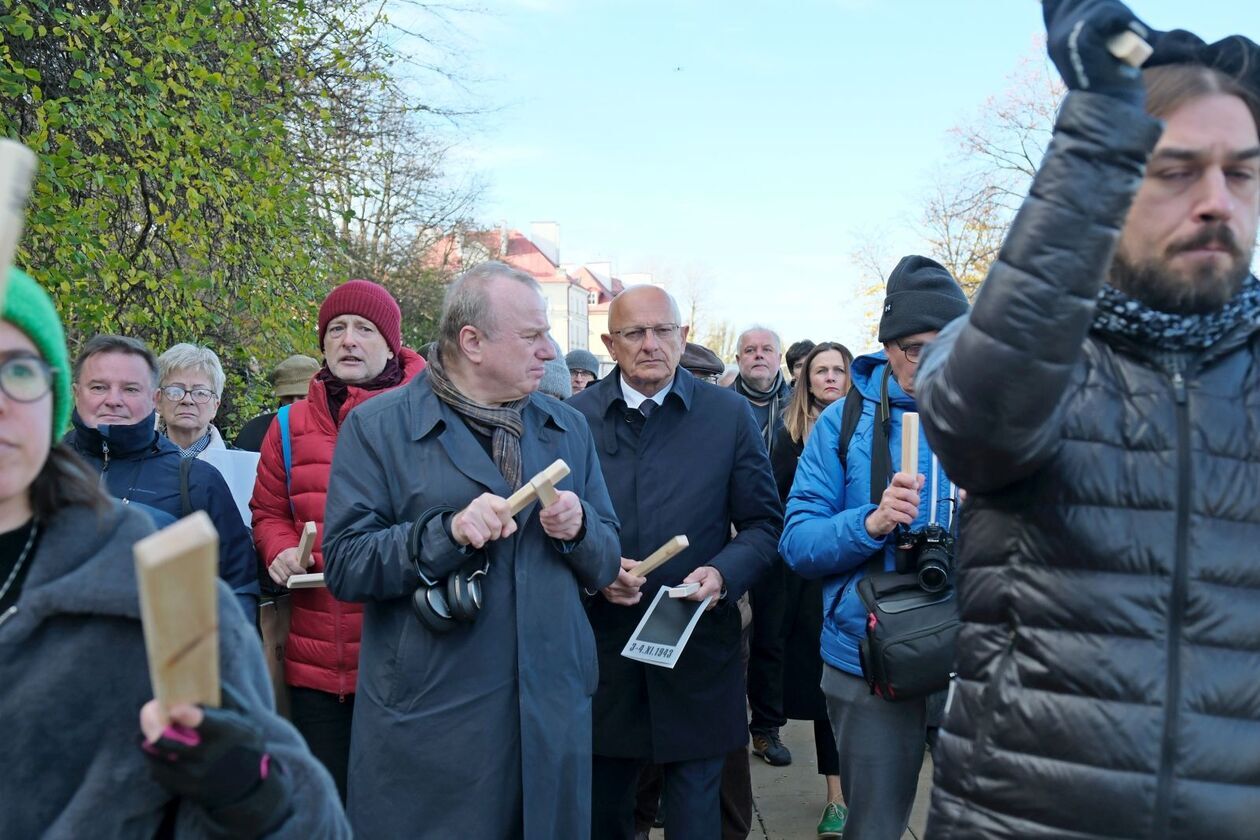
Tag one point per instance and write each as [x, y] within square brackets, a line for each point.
[698, 467]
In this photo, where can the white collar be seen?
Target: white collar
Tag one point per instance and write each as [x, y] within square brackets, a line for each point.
[634, 399]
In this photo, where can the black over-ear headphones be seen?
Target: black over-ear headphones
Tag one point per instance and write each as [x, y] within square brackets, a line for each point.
[442, 605]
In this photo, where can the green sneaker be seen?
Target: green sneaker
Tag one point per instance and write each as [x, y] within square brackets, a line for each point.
[831, 826]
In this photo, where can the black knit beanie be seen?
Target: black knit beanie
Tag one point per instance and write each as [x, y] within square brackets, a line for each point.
[921, 296]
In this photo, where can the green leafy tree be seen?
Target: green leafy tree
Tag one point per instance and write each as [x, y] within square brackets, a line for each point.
[186, 153]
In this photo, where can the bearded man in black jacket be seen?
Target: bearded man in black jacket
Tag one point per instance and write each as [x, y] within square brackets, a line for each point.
[1101, 404]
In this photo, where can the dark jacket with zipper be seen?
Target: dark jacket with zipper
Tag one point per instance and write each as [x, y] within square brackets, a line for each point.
[1109, 661]
[140, 466]
[697, 466]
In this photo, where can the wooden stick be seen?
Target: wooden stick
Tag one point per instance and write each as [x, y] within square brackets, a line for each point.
[177, 572]
[910, 443]
[306, 544]
[311, 581]
[17, 171]
[1129, 47]
[661, 555]
[541, 487]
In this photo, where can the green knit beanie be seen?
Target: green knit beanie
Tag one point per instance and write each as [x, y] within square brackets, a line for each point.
[28, 307]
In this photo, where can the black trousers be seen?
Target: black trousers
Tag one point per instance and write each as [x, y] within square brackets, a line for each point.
[691, 804]
[324, 721]
[825, 748]
[768, 599]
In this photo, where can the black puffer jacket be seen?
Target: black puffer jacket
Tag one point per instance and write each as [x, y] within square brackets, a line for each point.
[1109, 663]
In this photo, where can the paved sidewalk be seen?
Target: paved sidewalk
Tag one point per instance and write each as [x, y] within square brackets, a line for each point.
[789, 800]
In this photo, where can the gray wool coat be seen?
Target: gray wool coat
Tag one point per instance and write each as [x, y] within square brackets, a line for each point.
[484, 731]
[73, 676]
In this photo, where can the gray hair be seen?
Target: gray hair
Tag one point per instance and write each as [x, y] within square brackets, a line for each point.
[117, 344]
[186, 356]
[739, 342]
[467, 303]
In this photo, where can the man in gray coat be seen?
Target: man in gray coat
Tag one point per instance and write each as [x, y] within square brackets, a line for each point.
[477, 725]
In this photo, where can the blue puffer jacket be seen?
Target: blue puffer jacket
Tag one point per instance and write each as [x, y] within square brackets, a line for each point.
[140, 466]
[824, 534]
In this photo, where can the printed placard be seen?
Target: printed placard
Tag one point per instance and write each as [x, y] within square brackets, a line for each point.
[664, 630]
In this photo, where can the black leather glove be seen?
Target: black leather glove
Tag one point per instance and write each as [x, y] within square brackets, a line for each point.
[223, 766]
[1077, 32]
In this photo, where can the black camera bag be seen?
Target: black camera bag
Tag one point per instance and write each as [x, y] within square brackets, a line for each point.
[910, 634]
[908, 651]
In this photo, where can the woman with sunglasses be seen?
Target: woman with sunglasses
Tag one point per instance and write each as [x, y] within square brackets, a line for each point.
[73, 671]
[824, 380]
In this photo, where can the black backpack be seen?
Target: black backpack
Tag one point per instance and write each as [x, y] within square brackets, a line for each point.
[908, 651]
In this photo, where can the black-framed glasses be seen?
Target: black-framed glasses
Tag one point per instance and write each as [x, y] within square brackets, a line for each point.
[200, 396]
[634, 335]
[912, 351]
[25, 378]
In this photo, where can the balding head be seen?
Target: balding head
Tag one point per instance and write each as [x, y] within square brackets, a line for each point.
[636, 298]
[645, 337]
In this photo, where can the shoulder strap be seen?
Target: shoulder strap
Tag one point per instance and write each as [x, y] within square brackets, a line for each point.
[881, 454]
[881, 458]
[286, 447]
[849, 422]
[185, 501]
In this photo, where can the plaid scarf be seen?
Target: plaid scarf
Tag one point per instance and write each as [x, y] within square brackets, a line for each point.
[502, 423]
[1121, 315]
[773, 397]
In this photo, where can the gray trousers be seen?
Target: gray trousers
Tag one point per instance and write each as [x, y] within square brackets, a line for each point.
[881, 748]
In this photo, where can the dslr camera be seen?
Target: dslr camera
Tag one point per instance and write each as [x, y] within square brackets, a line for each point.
[929, 554]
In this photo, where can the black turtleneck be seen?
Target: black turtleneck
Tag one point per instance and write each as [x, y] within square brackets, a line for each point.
[11, 545]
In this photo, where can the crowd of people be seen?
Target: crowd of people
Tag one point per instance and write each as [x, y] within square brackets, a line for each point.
[1087, 658]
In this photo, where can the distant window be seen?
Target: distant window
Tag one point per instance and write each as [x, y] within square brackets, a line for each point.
[592, 297]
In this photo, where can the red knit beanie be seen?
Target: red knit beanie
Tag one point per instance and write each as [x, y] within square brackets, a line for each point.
[367, 300]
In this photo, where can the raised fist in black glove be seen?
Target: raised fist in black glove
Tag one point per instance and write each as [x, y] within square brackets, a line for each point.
[1077, 32]
[216, 758]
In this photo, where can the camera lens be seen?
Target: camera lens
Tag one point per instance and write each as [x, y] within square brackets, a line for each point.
[933, 569]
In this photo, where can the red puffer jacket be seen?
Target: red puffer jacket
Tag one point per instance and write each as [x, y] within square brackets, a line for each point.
[323, 648]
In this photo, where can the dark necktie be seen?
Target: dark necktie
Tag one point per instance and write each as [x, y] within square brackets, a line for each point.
[646, 408]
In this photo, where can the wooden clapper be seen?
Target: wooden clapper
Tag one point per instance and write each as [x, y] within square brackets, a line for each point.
[305, 545]
[541, 487]
[177, 570]
[17, 172]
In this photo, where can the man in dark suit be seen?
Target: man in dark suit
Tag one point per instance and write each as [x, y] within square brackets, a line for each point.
[680, 457]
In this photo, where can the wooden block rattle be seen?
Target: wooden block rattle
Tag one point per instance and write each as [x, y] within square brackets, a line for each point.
[305, 545]
[910, 443]
[17, 172]
[177, 572]
[541, 487]
[659, 557]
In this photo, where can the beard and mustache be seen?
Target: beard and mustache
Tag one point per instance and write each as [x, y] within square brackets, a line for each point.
[1205, 288]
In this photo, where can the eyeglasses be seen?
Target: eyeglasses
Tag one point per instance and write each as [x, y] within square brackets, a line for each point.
[200, 396]
[634, 335]
[912, 351]
[25, 378]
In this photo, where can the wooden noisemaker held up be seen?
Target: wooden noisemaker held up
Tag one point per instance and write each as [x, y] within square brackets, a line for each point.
[17, 172]
[305, 545]
[177, 572]
[541, 487]
[910, 443]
